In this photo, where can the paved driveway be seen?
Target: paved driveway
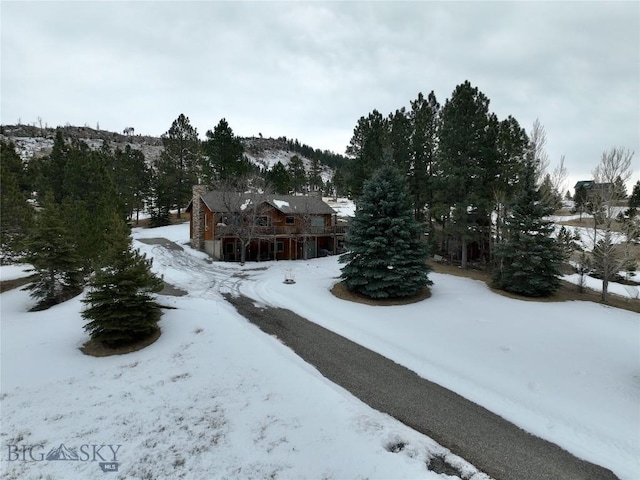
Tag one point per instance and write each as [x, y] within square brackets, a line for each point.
[490, 443]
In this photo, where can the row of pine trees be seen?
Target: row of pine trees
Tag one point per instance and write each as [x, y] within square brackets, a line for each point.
[66, 215]
[472, 178]
[461, 168]
[387, 253]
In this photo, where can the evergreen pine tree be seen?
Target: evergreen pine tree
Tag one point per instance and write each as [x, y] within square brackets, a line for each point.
[52, 251]
[549, 194]
[425, 122]
[16, 214]
[386, 257]
[279, 178]
[528, 260]
[133, 179]
[298, 174]
[634, 198]
[580, 199]
[466, 164]
[179, 162]
[160, 202]
[367, 150]
[399, 138]
[91, 199]
[224, 158]
[315, 175]
[120, 304]
[55, 169]
[620, 190]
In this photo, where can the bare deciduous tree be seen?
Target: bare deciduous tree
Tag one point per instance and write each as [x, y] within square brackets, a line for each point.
[614, 166]
[538, 141]
[610, 258]
[244, 199]
[557, 178]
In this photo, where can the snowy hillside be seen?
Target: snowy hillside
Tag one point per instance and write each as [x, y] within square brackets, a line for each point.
[266, 152]
[31, 141]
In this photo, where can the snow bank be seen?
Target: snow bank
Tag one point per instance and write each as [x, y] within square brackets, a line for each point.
[627, 291]
[13, 272]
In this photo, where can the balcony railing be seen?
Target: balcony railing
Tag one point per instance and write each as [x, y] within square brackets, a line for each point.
[222, 231]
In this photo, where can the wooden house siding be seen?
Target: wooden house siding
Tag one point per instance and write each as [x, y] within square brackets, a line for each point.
[286, 228]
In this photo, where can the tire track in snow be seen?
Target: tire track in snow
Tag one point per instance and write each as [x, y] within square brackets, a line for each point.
[198, 276]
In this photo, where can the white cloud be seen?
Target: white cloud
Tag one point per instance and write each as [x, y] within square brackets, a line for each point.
[309, 70]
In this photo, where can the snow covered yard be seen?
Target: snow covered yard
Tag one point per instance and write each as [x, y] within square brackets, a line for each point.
[212, 398]
[216, 398]
[567, 372]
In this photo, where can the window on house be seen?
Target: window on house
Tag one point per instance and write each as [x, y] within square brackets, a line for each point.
[290, 220]
[279, 247]
[228, 247]
[230, 220]
[263, 221]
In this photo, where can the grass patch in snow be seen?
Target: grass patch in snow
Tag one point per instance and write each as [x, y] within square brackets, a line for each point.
[15, 283]
[98, 349]
[341, 291]
[439, 465]
[566, 293]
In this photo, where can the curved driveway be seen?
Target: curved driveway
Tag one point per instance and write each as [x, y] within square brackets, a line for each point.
[490, 443]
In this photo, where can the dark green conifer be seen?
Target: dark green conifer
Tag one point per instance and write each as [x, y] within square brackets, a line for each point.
[386, 257]
[52, 251]
[279, 178]
[634, 198]
[528, 260]
[224, 157]
[16, 214]
[121, 308]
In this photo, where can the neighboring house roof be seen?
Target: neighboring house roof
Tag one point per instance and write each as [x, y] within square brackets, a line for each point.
[590, 184]
[584, 184]
[232, 202]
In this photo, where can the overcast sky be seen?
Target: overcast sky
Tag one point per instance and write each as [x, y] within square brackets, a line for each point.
[310, 70]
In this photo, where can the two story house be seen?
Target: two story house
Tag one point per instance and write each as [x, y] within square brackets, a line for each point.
[235, 226]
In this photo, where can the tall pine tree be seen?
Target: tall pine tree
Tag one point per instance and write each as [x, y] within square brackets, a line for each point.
[528, 260]
[178, 165]
[121, 308]
[298, 174]
[366, 150]
[386, 257]
[16, 215]
[634, 198]
[224, 155]
[52, 251]
[279, 178]
[466, 148]
[425, 122]
[133, 179]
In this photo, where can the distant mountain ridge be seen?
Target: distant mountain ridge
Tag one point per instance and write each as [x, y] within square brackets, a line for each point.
[32, 141]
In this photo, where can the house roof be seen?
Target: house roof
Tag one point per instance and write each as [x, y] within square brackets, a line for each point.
[584, 184]
[590, 184]
[231, 202]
